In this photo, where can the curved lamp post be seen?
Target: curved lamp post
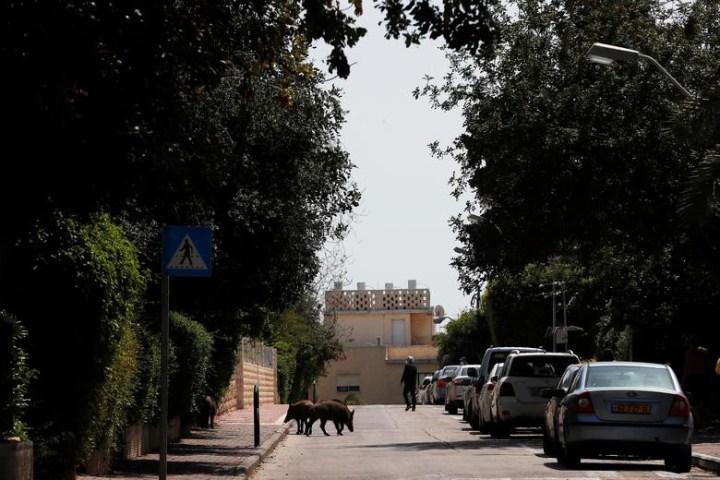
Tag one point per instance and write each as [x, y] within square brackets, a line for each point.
[605, 54]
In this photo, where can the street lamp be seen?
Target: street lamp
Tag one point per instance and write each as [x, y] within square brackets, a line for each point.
[605, 54]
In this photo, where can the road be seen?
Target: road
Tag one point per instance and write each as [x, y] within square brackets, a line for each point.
[390, 443]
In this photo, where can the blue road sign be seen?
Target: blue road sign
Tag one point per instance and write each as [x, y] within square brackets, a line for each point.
[187, 251]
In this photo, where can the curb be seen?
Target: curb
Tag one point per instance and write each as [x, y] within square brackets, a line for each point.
[264, 450]
[706, 462]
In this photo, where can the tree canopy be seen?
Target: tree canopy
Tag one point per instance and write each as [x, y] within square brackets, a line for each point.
[574, 162]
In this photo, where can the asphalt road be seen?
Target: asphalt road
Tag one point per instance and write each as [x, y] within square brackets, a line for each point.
[390, 443]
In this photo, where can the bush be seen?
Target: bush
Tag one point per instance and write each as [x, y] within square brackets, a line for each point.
[192, 346]
[15, 376]
[354, 399]
[76, 284]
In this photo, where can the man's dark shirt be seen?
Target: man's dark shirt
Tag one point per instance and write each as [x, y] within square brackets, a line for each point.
[409, 376]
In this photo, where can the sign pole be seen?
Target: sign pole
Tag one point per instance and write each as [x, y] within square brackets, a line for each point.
[186, 252]
[165, 340]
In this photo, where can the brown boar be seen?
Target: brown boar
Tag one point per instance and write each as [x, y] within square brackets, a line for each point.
[333, 410]
[299, 411]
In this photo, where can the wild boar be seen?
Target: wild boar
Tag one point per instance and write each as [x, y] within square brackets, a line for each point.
[333, 410]
[208, 410]
[299, 412]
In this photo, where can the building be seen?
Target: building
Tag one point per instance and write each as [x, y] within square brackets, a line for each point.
[380, 329]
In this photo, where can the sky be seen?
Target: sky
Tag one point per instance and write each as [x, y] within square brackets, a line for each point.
[401, 229]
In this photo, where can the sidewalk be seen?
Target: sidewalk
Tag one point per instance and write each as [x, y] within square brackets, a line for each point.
[227, 451]
[706, 449]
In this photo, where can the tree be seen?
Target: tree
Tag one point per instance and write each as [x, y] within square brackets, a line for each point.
[467, 336]
[571, 160]
[305, 346]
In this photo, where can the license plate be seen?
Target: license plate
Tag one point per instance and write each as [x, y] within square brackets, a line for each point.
[630, 408]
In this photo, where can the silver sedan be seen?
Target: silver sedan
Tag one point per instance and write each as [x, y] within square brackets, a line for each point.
[626, 409]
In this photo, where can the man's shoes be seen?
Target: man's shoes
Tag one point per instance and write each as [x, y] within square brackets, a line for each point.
[407, 408]
[413, 408]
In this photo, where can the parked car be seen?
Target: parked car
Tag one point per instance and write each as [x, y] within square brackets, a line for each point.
[516, 400]
[492, 356]
[468, 408]
[423, 390]
[554, 396]
[455, 390]
[431, 388]
[625, 409]
[484, 413]
[440, 385]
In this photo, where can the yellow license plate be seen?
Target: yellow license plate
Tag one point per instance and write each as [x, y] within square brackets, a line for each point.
[630, 408]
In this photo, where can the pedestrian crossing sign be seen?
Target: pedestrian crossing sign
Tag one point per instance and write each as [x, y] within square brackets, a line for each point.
[187, 251]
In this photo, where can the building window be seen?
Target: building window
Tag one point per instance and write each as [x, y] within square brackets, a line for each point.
[348, 383]
[350, 388]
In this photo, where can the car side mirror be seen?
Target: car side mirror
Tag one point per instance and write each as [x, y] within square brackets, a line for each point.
[494, 378]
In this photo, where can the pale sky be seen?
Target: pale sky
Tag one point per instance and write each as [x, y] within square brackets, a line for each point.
[402, 230]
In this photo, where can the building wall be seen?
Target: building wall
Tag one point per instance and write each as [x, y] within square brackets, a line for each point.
[379, 374]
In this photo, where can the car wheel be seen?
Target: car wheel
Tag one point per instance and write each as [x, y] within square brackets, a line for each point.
[499, 430]
[474, 421]
[482, 426]
[570, 455]
[452, 408]
[680, 460]
[548, 443]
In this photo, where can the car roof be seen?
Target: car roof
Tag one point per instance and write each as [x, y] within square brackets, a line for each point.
[627, 364]
[546, 354]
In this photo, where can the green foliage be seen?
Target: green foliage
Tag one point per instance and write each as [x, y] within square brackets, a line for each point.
[114, 402]
[89, 280]
[15, 377]
[304, 348]
[354, 399]
[597, 175]
[146, 402]
[467, 336]
[192, 346]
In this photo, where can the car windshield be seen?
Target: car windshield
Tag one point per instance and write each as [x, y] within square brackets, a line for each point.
[540, 366]
[629, 376]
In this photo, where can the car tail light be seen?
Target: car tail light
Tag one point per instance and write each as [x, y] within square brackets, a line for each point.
[583, 404]
[491, 387]
[679, 407]
[441, 383]
[507, 390]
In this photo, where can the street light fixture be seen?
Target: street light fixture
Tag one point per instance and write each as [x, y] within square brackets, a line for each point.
[605, 54]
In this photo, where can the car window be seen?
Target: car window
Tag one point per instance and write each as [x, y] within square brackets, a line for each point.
[497, 357]
[541, 366]
[629, 376]
[472, 372]
[568, 376]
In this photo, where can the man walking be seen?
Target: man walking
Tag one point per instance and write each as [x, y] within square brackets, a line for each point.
[409, 381]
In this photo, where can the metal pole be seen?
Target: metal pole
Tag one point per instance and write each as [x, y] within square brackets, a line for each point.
[667, 74]
[567, 338]
[256, 408]
[165, 340]
[554, 318]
